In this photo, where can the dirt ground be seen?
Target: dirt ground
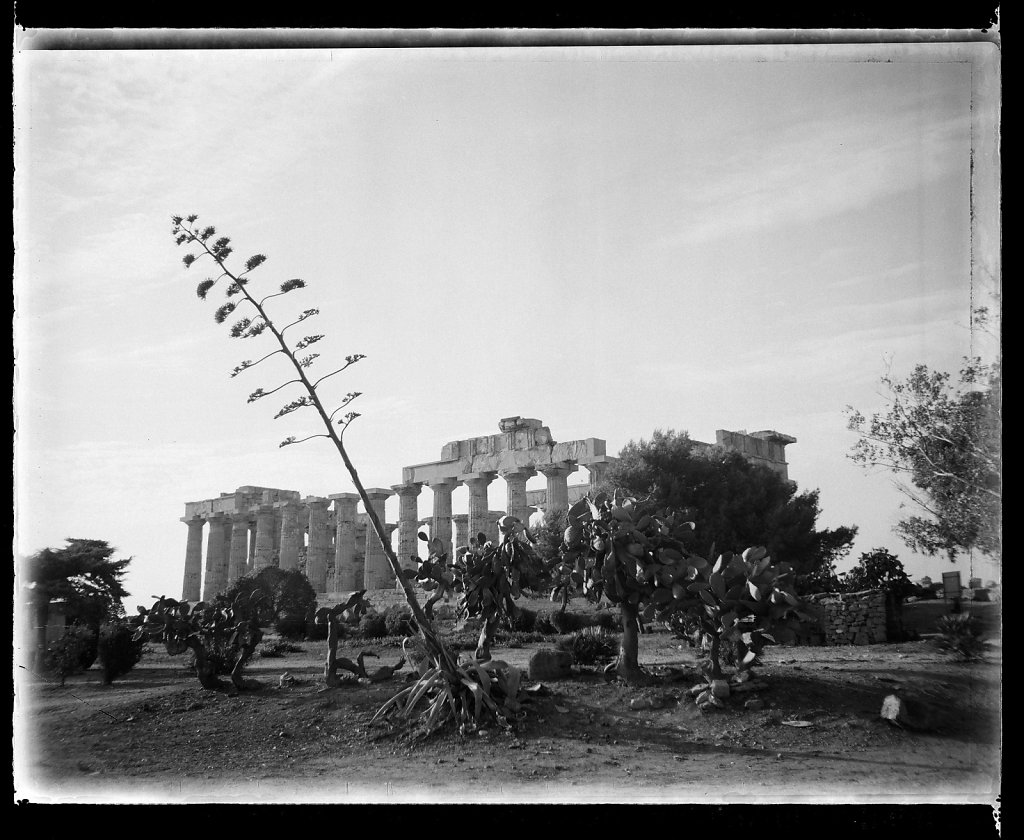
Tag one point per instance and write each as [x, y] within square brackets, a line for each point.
[156, 736]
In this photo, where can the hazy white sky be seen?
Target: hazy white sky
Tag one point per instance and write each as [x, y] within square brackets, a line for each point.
[611, 240]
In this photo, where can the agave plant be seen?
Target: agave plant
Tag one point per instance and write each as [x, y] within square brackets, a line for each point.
[477, 693]
[258, 324]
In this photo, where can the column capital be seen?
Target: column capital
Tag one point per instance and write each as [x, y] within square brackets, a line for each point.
[377, 494]
[488, 477]
[412, 488]
[238, 516]
[344, 497]
[516, 472]
[449, 483]
[558, 470]
[216, 516]
[192, 520]
[316, 502]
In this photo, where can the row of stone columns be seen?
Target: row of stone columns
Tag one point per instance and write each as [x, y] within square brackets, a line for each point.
[234, 547]
[479, 514]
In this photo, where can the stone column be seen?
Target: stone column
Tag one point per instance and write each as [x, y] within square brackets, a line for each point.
[377, 573]
[478, 507]
[441, 527]
[516, 481]
[239, 545]
[461, 523]
[291, 537]
[264, 555]
[558, 489]
[250, 563]
[345, 542]
[597, 470]
[191, 587]
[319, 544]
[215, 579]
[408, 516]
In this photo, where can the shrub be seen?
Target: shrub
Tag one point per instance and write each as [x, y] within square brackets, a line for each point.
[373, 626]
[590, 646]
[291, 626]
[398, 621]
[524, 622]
[117, 649]
[64, 656]
[961, 635]
[277, 648]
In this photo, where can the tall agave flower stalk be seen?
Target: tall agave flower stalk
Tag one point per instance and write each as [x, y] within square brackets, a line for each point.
[257, 321]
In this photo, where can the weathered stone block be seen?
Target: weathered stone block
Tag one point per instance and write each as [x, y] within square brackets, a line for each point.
[549, 664]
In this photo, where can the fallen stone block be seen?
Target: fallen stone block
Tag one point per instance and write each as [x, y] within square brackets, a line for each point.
[720, 688]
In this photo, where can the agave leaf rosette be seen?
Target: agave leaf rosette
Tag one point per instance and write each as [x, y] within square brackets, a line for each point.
[470, 696]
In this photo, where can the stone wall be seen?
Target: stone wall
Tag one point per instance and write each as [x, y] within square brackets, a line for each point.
[853, 618]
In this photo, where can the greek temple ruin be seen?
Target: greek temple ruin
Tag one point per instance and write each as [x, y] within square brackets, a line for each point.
[331, 541]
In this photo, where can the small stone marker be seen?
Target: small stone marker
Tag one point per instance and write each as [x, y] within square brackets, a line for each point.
[911, 713]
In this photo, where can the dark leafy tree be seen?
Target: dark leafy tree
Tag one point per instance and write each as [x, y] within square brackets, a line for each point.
[942, 437]
[85, 578]
[118, 650]
[733, 504]
[65, 655]
[633, 553]
[288, 597]
[467, 688]
[878, 569]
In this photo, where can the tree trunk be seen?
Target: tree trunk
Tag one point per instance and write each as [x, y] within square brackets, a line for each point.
[628, 666]
[205, 669]
[714, 655]
[483, 646]
[331, 666]
[236, 672]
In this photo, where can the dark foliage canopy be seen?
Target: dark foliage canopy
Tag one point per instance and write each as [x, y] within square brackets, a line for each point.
[734, 504]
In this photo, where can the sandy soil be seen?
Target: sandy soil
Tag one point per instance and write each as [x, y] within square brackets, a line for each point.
[156, 736]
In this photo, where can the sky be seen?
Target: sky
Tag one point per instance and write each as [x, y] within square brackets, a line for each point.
[612, 240]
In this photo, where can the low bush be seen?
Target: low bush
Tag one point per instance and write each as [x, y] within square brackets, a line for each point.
[590, 646]
[961, 634]
[117, 649]
[290, 626]
[373, 627]
[277, 648]
[398, 621]
[65, 656]
[524, 622]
